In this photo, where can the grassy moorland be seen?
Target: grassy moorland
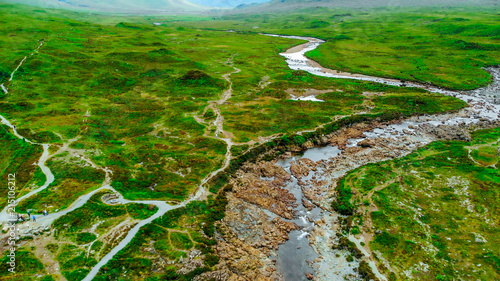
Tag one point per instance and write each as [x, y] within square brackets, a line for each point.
[129, 91]
[125, 101]
[17, 157]
[269, 111]
[121, 90]
[443, 46]
[28, 267]
[426, 47]
[71, 174]
[435, 210]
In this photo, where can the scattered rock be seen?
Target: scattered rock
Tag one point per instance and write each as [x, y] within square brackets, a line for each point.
[367, 143]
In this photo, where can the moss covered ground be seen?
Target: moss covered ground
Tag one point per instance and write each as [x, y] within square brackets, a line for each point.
[123, 87]
[435, 210]
[445, 46]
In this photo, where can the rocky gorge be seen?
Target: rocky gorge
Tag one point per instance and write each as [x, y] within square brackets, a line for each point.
[262, 210]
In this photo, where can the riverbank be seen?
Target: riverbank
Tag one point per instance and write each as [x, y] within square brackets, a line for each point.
[260, 188]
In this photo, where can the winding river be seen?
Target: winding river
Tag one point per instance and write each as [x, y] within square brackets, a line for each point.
[483, 105]
[295, 255]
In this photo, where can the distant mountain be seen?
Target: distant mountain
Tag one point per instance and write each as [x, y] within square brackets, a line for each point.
[120, 6]
[227, 3]
[241, 6]
[287, 5]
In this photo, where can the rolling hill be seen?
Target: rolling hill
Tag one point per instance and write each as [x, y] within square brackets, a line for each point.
[288, 5]
[120, 6]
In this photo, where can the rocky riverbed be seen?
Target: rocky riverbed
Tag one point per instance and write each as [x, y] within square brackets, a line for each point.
[279, 223]
[297, 191]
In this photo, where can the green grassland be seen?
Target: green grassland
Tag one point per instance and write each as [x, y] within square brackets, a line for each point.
[444, 46]
[28, 267]
[72, 180]
[155, 253]
[423, 47]
[17, 157]
[141, 111]
[126, 90]
[436, 210]
[269, 111]
[87, 234]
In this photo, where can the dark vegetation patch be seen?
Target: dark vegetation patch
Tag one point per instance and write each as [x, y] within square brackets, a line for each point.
[26, 264]
[198, 78]
[17, 157]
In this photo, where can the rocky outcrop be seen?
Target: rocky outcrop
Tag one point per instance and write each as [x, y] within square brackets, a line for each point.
[449, 132]
[259, 205]
[302, 167]
[367, 143]
[254, 225]
[340, 137]
[241, 261]
[193, 260]
[247, 238]
[251, 185]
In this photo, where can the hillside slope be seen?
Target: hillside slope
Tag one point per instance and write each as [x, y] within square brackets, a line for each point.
[289, 5]
[120, 6]
[227, 3]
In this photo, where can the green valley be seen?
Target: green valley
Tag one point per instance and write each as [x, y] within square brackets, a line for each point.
[288, 140]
